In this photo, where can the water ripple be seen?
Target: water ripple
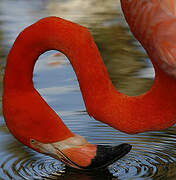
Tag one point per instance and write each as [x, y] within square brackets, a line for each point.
[153, 156]
[28, 167]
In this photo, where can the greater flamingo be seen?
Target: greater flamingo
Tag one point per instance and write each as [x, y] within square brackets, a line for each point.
[28, 116]
[36, 125]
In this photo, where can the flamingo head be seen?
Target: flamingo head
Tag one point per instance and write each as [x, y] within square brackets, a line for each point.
[76, 152]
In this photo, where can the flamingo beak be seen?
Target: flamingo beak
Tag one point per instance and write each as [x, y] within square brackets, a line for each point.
[83, 156]
[107, 155]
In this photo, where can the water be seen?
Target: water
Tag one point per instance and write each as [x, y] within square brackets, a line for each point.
[154, 153]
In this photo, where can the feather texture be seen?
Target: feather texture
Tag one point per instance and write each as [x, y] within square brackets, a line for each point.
[153, 23]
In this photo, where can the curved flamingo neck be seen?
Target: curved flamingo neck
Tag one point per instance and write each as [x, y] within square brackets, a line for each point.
[27, 115]
[56, 34]
[150, 111]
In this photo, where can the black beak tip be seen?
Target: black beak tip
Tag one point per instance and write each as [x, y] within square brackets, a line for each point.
[106, 155]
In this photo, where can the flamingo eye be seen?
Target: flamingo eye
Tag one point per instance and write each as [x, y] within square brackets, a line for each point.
[32, 141]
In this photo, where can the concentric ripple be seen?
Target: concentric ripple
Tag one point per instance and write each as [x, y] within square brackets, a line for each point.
[30, 167]
[39, 168]
[153, 156]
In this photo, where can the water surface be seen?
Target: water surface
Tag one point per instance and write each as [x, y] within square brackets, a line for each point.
[153, 155]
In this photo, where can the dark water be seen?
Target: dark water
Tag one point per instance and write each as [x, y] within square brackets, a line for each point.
[154, 153]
